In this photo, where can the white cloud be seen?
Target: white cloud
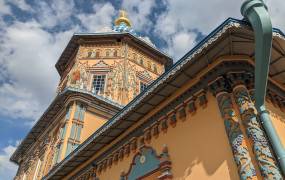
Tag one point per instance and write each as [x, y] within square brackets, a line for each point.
[28, 54]
[7, 169]
[138, 11]
[22, 4]
[180, 43]
[203, 15]
[54, 12]
[99, 19]
[277, 13]
[4, 8]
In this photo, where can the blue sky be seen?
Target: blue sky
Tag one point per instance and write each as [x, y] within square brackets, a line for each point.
[33, 33]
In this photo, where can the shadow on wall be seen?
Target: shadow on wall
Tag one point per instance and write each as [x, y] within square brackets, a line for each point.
[199, 147]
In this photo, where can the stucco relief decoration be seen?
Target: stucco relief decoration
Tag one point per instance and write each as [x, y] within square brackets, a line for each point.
[78, 77]
[236, 138]
[122, 81]
[146, 163]
[265, 159]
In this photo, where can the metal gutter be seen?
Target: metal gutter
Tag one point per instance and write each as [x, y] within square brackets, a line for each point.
[255, 11]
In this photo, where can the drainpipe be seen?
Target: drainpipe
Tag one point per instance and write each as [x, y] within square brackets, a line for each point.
[256, 13]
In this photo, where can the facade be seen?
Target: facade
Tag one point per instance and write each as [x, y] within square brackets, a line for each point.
[123, 111]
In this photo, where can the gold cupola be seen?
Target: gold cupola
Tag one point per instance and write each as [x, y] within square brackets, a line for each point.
[123, 18]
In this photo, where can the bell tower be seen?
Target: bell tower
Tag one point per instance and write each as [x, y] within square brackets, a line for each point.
[116, 65]
[99, 74]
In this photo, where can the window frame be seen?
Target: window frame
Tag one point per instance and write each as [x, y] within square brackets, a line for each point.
[104, 84]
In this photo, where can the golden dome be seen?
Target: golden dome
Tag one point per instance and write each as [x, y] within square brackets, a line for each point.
[123, 18]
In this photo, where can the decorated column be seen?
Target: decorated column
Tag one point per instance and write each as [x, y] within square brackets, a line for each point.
[261, 148]
[234, 133]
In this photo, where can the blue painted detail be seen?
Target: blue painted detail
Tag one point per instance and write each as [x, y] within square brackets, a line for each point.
[236, 138]
[255, 11]
[261, 148]
[144, 163]
[123, 27]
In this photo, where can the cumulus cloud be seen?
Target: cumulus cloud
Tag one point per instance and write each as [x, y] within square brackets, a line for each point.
[139, 11]
[277, 13]
[180, 43]
[7, 168]
[99, 19]
[28, 54]
[53, 12]
[202, 16]
[4, 8]
[21, 4]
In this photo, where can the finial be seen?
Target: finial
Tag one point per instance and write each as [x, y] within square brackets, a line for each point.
[123, 18]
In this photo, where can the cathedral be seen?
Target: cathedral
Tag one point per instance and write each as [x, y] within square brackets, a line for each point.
[124, 111]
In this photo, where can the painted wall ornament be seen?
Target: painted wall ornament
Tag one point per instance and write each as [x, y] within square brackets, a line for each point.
[146, 162]
[78, 77]
[122, 82]
[261, 148]
[236, 137]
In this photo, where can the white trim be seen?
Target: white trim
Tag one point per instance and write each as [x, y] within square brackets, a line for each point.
[37, 169]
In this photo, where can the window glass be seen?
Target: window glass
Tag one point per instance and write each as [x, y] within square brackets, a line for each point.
[143, 86]
[107, 53]
[99, 83]
[81, 113]
[141, 60]
[78, 132]
[72, 133]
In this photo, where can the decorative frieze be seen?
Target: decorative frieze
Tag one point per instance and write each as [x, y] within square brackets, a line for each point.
[161, 124]
[146, 162]
[192, 106]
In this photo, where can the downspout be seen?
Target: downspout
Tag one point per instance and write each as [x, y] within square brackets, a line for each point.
[256, 13]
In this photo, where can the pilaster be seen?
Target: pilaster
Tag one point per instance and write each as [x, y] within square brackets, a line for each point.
[261, 147]
[235, 136]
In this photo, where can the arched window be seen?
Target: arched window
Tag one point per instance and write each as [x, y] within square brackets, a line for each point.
[107, 53]
[89, 54]
[141, 60]
[148, 65]
[155, 68]
[116, 53]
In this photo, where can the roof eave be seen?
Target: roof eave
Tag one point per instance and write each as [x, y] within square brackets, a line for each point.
[59, 97]
[77, 36]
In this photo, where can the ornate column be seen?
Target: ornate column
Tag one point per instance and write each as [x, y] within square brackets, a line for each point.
[261, 147]
[234, 133]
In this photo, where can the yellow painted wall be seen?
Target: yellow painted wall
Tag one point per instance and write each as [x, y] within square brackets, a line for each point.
[198, 148]
[92, 122]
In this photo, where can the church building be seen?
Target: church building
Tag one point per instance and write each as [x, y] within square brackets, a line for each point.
[125, 111]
